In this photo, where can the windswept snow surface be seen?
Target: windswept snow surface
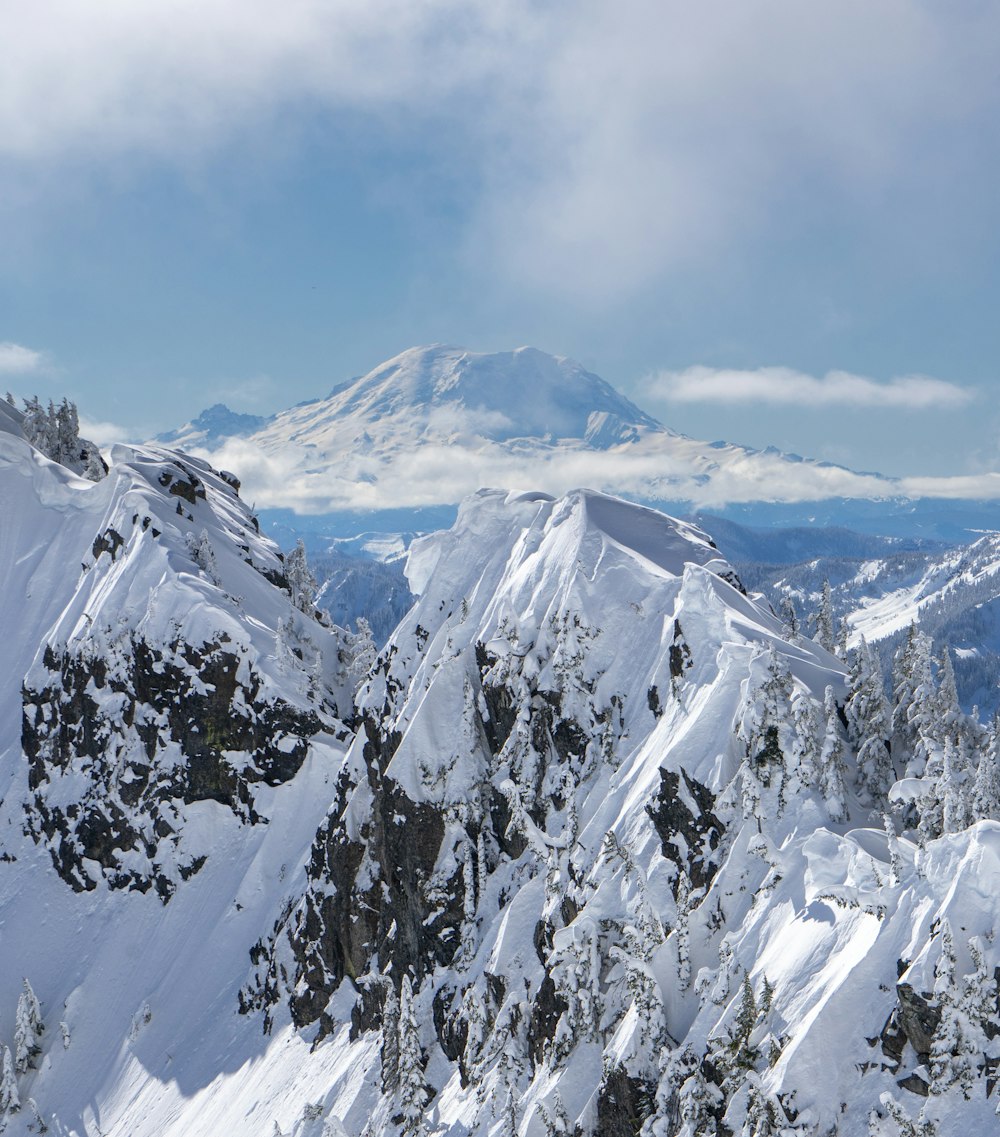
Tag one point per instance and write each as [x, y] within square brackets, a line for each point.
[148, 990]
[547, 741]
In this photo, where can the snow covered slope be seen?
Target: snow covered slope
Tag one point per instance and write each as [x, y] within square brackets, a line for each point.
[170, 730]
[589, 851]
[599, 864]
[952, 594]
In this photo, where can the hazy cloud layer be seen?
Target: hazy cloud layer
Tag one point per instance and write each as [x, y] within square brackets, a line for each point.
[15, 359]
[438, 473]
[606, 144]
[786, 387]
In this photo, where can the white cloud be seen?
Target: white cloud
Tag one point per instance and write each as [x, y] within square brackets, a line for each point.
[107, 433]
[439, 473]
[608, 143]
[171, 76]
[786, 387]
[16, 359]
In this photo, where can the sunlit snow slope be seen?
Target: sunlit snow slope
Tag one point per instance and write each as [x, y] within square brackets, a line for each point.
[588, 806]
[181, 756]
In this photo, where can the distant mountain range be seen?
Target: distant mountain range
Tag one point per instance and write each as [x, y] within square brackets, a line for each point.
[434, 424]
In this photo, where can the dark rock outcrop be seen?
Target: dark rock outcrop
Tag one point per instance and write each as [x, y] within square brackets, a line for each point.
[144, 730]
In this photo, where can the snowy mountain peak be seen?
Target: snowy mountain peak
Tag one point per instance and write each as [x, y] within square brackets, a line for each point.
[440, 391]
[213, 425]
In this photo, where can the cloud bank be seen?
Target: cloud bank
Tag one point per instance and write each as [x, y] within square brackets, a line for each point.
[15, 359]
[786, 387]
[439, 473]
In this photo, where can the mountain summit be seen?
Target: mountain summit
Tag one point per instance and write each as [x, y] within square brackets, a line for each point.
[436, 423]
[438, 392]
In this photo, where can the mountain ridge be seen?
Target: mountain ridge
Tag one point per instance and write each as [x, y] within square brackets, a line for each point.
[431, 425]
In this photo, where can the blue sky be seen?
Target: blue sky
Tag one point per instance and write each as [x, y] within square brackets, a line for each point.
[249, 202]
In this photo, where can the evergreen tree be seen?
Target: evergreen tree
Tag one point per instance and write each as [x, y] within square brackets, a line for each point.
[482, 868]
[390, 1038]
[694, 1102]
[203, 555]
[951, 790]
[867, 712]
[985, 803]
[892, 841]
[28, 1027]
[915, 702]
[949, 713]
[37, 1121]
[301, 582]
[10, 1102]
[953, 1053]
[806, 740]
[744, 1055]
[831, 759]
[823, 620]
[765, 727]
[554, 1118]
[682, 931]
[361, 652]
[789, 617]
[477, 1027]
[762, 1115]
[468, 901]
[412, 1089]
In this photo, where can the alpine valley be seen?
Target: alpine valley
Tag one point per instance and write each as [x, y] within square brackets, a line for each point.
[596, 845]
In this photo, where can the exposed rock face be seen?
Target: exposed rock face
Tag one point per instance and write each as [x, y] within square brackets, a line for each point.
[142, 730]
[623, 1104]
[688, 829]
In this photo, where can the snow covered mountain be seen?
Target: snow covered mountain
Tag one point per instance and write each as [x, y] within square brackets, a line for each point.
[170, 725]
[589, 850]
[211, 427]
[435, 423]
[395, 450]
[952, 594]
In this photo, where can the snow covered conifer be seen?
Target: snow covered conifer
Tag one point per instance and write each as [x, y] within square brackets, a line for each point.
[390, 1038]
[867, 712]
[28, 1027]
[952, 791]
[832, 767]
[954, 1055]
[823, 620]
[761, 1116]
[789, 617]
[301, 582]
[892, 841]
[948, 711]
[361, 646]
[412, 1090]
[764, 725]
[694, 1106]
[985, 797]
[805, 739]
[915, 702]
[67, 432]
[468, 900]
[681, 930]
[10, 1102]
[37, 1121]
[744, 1055]
[204, 555]
[554, 1118]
